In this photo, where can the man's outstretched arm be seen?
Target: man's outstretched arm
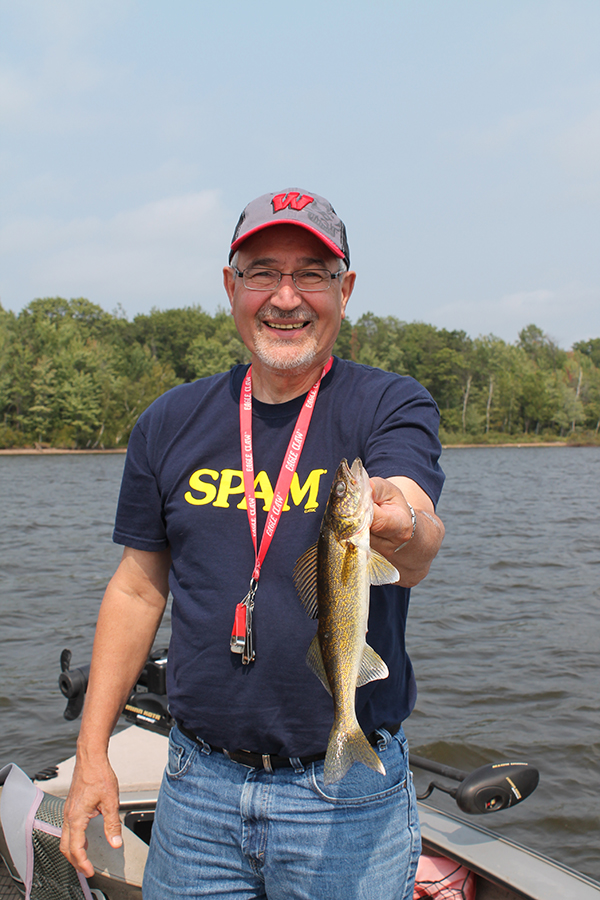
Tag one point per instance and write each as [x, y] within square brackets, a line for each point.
[392, 529]
[129, 617]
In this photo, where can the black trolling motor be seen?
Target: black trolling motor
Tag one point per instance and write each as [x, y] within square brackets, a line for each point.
[488, 789]
[147, 703]
[73, 685]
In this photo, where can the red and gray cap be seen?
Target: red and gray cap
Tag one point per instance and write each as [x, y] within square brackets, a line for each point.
[294, 207]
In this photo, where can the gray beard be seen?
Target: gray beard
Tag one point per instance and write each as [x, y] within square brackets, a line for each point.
[282, 356]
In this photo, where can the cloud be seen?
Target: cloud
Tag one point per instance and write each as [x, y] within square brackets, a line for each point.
[15, 95]
[506, 315]
[578, 150]
[504, 134]
[167, 253]
[53, 64]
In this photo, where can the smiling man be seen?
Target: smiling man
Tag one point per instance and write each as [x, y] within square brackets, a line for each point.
[219, 478]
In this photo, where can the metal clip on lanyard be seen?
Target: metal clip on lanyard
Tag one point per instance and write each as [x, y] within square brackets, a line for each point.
[241, 635]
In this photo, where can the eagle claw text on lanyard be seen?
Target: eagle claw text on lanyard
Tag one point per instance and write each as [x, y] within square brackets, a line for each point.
[241, 635]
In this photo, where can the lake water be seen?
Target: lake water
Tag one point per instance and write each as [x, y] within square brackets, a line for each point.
[503, 633]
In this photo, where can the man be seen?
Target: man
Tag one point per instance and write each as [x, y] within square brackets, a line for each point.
[244, 811]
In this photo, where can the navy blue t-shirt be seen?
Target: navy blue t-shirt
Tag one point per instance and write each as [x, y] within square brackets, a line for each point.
[182, 488]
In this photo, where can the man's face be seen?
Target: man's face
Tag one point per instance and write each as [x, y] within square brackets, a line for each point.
[284, 328]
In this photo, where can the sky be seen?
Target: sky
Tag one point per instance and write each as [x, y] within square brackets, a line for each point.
[459, 141]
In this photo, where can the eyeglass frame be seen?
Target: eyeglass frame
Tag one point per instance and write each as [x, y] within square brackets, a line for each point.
[332, 275]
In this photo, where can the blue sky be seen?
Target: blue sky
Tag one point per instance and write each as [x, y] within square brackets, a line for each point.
[459, 141]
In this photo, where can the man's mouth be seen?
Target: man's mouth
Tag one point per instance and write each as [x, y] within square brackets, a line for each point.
[286, 326]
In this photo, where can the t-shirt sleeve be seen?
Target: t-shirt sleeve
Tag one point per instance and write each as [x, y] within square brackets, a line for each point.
[404, 437]
[139, 522]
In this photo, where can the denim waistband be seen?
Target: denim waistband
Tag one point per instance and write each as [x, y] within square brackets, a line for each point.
[270, 761]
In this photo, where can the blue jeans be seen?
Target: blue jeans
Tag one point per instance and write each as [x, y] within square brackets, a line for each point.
[224, 830]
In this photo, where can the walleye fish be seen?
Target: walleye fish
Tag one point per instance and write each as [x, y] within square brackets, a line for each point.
[333, 579]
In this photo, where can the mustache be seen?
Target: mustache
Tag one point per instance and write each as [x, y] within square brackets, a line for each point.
[300, 314]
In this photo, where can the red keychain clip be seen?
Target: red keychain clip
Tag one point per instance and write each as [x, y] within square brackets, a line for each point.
[238, 633]
[241, 635]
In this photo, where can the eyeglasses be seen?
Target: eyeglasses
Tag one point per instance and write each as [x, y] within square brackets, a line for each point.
[258, 279]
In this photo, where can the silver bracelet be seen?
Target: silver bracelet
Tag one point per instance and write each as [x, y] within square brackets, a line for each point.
[413, 517]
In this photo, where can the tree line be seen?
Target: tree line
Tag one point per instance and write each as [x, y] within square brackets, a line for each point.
[73, 375]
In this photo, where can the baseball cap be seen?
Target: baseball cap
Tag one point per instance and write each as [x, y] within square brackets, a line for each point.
[294, 207]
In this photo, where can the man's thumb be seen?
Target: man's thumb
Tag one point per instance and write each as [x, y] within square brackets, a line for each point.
[112, 829]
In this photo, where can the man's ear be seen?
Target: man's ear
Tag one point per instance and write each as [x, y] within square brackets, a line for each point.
[229, 282]
[347, 286]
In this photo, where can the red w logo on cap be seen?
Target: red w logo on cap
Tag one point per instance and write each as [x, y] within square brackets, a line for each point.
[293, 200]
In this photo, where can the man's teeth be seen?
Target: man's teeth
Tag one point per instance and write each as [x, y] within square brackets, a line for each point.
[288, 327]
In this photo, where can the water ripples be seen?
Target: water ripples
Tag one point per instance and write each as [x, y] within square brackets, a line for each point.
[504, 637]
[503, 633]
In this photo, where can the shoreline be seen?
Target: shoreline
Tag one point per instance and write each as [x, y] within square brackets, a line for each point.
[55, 451]
[514, 444]
[58, 451]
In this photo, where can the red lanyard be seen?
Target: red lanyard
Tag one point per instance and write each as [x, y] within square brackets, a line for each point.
[241, 637]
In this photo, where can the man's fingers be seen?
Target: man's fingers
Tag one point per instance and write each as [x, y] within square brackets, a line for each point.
[112, 828]
[73, 845]
[93, 790]
[81, 862]
[383, 490]
[390, 508]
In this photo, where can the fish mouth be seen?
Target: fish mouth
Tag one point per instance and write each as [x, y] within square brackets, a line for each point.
[357, 471]
[359, 487]
[355, 474]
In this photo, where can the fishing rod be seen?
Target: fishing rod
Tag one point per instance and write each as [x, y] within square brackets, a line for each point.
[487, 789]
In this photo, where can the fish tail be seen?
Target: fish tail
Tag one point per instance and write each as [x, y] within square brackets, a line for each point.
[346, 748]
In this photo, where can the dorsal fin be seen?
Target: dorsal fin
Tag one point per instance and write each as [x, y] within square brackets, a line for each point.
[305, 579]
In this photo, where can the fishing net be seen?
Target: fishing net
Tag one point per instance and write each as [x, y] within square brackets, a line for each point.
[32, 824]
[53, 877]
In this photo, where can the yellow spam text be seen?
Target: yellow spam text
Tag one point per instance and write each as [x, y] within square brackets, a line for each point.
[208, 486]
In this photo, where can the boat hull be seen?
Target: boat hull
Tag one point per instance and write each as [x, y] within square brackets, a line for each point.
[505, 870]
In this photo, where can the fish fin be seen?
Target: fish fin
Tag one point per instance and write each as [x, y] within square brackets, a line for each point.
[360, 538]
[305, 579]
[372, 667]
[346, 748]
[314, 661]
[380, 570]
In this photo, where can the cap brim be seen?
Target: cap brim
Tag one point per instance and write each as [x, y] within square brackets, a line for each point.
[324, 240]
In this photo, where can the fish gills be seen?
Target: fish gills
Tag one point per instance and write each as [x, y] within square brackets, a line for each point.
[333, 579]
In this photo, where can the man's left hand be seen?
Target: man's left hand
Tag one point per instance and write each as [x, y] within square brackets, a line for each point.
[392, 527]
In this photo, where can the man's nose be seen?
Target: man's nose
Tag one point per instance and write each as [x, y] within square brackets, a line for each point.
[286, 295]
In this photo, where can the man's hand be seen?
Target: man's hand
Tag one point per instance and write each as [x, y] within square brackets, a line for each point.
[127, 623]
[94, 790]
[392, 527]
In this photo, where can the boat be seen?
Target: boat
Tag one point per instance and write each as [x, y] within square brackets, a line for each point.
[483, 865]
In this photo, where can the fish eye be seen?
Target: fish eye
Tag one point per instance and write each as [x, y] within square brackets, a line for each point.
[340, 488]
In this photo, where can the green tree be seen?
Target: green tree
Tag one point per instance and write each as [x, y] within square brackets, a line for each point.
[491, 359]
[540, 348]
[591, 349]
[74, 375]
[376, 341]
[217, 349]
[170, 334]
